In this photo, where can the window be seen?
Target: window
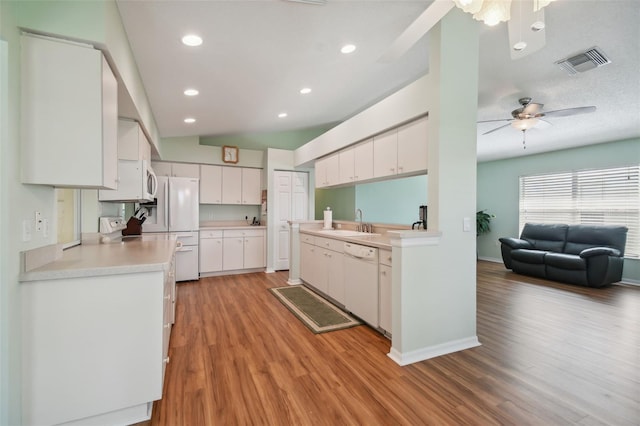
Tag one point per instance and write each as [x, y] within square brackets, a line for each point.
[590, 197]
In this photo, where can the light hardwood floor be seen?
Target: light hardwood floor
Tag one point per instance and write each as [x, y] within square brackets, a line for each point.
[551, 354]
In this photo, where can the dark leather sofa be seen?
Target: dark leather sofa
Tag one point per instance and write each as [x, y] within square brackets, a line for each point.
[586, 255]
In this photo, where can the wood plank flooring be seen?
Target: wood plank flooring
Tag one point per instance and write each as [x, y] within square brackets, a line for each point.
[551, 354]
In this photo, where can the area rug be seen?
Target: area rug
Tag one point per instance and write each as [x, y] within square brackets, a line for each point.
[315, 312]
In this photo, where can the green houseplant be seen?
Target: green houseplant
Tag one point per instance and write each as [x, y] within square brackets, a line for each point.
[483, 222]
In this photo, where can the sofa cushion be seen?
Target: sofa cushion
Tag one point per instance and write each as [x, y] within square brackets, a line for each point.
[565, 261]
[542, 236]
[581, 237]
[528, 256]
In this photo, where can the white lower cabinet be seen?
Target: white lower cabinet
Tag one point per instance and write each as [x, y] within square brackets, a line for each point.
[95, 348]
[210, 251]
[385, 280]
[321, 265]
[243, 249]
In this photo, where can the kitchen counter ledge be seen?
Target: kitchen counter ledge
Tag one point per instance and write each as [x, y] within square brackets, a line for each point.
[132, 255]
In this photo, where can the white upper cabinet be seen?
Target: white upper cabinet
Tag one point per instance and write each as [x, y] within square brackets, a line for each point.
[251, 186]
[347, 172]
[132, 142]
[69, 113]
[231, 185]
[210, 184]
[164, 168]
[412, 147]
[328, 171]
[363, 161]
[385, 154]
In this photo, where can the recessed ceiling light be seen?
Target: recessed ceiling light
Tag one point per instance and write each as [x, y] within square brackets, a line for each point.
[189, 120]
[282, 115]
[192, 40]
[305, 90]
[191, 92]
[348, 48]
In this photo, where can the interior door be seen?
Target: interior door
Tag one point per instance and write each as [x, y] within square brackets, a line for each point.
[282, 215]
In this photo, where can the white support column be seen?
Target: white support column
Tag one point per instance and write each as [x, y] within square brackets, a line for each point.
[294, 254]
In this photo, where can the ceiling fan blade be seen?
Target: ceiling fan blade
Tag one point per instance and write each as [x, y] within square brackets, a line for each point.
[569, 111]
[414, 32]
[496, 129]
[493, 121]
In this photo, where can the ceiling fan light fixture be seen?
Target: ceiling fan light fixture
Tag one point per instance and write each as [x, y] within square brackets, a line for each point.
[469, 6]
[493, 12]
[524, 124]
[537, 26]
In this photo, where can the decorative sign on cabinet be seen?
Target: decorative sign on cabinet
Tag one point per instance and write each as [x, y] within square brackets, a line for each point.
[69, 106]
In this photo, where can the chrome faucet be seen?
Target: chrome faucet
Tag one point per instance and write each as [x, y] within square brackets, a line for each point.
[359, 227]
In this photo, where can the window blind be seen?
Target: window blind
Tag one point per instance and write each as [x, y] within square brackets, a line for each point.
[591, 197]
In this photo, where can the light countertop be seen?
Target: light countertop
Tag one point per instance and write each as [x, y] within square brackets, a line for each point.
[131, 255]
[381, 241]
[231, 224]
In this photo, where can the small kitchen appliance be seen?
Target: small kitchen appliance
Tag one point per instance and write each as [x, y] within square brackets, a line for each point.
[422, 212]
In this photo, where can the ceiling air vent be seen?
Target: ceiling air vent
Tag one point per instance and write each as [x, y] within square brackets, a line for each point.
[585, 61]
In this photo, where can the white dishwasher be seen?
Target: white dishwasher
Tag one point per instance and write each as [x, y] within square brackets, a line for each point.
[361, 282]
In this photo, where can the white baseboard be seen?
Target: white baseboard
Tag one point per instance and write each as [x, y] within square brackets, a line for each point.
[270, 271]
[490, 259]
[432, 351]
[630, 281]
[294, 282]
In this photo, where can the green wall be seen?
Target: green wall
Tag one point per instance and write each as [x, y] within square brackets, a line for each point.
[498, 187]
[393, 201]
[341, 200]
[290, 140]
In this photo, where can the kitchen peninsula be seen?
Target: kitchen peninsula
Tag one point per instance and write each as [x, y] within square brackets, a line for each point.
[96, 326]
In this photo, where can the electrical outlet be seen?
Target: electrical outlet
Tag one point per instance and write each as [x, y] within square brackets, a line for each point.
[38, 221]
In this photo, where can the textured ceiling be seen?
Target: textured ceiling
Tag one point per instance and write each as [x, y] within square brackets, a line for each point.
[258, 54]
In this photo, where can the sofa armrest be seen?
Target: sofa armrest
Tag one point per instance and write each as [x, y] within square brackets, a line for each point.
[599, 251]
[516, 243]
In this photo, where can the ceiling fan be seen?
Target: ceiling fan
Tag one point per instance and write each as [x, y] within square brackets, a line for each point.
[530, 114]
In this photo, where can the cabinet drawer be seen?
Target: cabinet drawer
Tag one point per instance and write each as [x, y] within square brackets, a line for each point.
[233, 233]
[309, 239]
[210, 234]
[329, 243]
[385, 257]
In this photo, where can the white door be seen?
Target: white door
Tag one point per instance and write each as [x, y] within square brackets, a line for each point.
[291, 203]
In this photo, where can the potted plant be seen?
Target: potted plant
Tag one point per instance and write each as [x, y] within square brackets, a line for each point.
[483, 222]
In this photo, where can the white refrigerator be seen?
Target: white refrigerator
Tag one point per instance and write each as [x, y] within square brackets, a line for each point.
[176, 211]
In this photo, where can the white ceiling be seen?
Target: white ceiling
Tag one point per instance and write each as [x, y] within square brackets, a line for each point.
[257, 55]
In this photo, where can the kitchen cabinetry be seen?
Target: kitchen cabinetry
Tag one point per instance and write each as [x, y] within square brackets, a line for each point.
[241, 186]
[356, 163]
[412, 147]
[385, 154]
[164, 168]
[321, 266]
[132, 142]
[401, 151]
[385, 280]
[210, 184]
[210, 251]
[327, 171]
[361, 278]
[95, 348]
[243, 249]
[69, 110]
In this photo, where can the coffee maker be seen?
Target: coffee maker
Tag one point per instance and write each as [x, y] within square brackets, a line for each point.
[422, 212]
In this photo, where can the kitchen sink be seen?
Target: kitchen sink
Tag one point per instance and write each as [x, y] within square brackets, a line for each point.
[345, 233]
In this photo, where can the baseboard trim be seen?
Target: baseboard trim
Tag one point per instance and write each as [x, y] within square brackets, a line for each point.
[490, 259]
[432, 351]
[294, 282]
[630, 281]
